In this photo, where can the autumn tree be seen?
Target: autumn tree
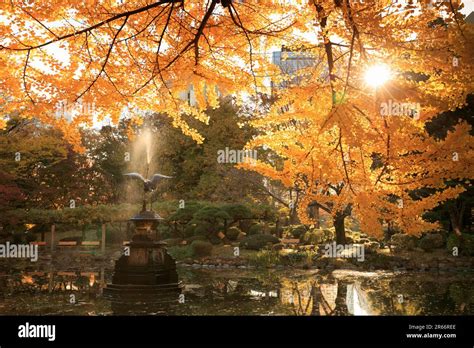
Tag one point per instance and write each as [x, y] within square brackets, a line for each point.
[338, 143]
[133, 55]
[335, 147]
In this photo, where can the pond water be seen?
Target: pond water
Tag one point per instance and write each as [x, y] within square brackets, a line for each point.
[246, 292]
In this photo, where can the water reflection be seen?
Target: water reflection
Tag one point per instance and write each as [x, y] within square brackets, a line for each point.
[244, 293]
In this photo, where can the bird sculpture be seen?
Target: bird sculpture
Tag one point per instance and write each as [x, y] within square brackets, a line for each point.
[149, 185]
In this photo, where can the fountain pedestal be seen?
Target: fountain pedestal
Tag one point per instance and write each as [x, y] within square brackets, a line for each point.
[145, 273]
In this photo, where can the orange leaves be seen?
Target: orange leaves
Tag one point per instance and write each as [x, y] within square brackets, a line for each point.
[133, 54]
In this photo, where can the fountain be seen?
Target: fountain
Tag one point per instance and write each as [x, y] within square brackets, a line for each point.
[145, 274]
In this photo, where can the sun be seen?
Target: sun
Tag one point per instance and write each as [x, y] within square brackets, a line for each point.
[377, 75]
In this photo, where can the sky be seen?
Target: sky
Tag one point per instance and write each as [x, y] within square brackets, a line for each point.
[468, 7]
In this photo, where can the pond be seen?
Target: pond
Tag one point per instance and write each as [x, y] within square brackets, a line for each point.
[245, 292]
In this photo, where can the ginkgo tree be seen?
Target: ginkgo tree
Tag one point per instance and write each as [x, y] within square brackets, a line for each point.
[131, 56]
[350, 133]
[336, 147]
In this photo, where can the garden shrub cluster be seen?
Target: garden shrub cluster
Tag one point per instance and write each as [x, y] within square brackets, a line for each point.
[201, 248]
[258, 241]
[317, 236]
[465, 247]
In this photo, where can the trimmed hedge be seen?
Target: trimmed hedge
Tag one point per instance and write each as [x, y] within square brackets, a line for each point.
[258, 241]
[233, 232]
[255, 229]
[201, 248]
[466, 247]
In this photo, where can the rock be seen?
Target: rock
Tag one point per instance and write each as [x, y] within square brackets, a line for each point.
[371, 247]
[195, 289]
[431, 241]
[402, 241]
[278, 246]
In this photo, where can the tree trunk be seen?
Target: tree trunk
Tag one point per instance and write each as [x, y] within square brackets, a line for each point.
[277, 228]
[316, 217]
[456, 215]
[341, 305]
[294, 219]
[338, 221]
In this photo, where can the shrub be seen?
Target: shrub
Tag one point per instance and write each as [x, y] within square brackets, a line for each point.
[255, 229]
[164, 231]
[189, 230]
[201, 248]
[233, 232]
[183, 215]
[403, 241]
[237, 211]
[245, 225]
[173, 241]
[180, 252]
[265, 258]
[465, 247]
[295, 231]
[313, 237]
[202, 229]
[193, 238]
[296, 258]
[210, 214]
[214, 239]
[17, 237]
[258, 241]
[431, 241]
[30, 237]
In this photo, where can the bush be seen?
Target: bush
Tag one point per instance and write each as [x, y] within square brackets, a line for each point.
[465, 247]
[173, 241]
[202, 229]
[293, 259]
[211, 215]
[258, 241]
[30, 237]
[431, 241]
[164, 231]
[189, 230]
[193, 238]
[245, 225]
[272, 229]
[237, 211]
[233, 232]
[184, 215]
[180, 252]
[265, 258]
[296, 231]
[201, 248]
[214, 239]
[17, 237]
[313, 237]
[403, 241]
[256, 229]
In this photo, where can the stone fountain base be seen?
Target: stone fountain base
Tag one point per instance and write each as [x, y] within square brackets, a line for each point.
[145, 274]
